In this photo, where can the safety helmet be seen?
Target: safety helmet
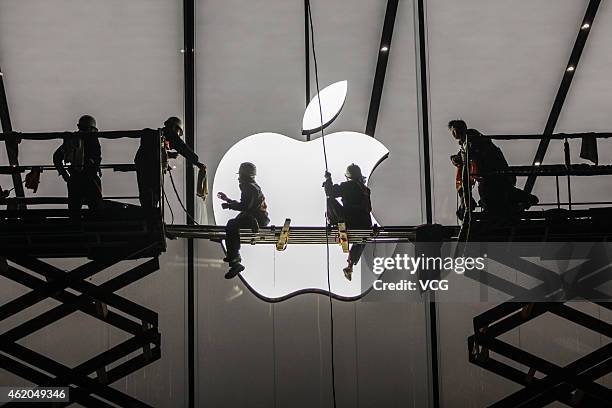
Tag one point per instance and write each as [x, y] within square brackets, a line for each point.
[247, 171]
[175, 124]
[87, 123]
[353, 172]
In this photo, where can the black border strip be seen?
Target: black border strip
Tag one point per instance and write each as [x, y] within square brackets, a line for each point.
[566, 82]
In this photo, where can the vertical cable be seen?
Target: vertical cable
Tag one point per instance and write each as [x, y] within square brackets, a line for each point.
[327, 225]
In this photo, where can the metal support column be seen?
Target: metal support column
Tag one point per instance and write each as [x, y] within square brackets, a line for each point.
[426, 188]
[189, 69]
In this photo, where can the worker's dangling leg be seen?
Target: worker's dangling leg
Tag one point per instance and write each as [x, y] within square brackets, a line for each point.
[232, 241]
[335, 211]
[354, 256]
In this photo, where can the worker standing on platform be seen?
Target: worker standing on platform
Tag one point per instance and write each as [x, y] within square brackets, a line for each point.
[77, 161]
[147, 172]
[354, 211]
[477, 161]
[253, 214]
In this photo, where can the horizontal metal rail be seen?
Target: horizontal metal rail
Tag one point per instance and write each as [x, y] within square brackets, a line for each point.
[112, 134]
[557, 136]
[47, 167]
[556, 170]
[54, 200]
[302, 235]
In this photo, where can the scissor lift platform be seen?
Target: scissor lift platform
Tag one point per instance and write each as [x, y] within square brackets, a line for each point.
[60, 233]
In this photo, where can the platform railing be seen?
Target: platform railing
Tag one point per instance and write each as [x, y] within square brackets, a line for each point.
[566, 169]
[20, 202]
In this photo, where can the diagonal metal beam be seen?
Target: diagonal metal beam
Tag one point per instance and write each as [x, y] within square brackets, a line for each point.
[72, 302]
[381, 66]
[568, 76]
[31, 298]
[57, 369]
[89, 289]
[12, 148]
[76, 394]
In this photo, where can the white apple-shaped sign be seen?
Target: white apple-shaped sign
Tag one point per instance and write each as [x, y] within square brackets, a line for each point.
[290, 173]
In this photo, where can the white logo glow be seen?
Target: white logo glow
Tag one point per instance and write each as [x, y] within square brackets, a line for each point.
[290, 173]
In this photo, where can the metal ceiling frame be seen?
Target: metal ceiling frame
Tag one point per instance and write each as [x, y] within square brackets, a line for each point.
[12, 145]
[381, 66]
[568, 76]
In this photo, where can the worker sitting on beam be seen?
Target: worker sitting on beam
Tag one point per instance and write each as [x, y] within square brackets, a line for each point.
[354, 211]
[253, 214]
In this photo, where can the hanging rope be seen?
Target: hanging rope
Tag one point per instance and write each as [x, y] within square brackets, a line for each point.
[178, 197]
[327, 225]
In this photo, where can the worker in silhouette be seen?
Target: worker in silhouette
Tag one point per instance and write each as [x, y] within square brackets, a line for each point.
[354, 211]
[77, 161]
[478, 160]
[154, 149]
[253, 214]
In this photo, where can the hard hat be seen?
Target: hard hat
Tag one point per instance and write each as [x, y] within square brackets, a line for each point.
[247, 170]
[174, 124]
[87, 123]
[353, 172]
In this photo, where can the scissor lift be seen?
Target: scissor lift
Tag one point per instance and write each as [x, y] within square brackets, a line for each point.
[103, 239]
[543, 381]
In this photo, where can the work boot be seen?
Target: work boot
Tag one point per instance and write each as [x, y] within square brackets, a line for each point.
[232, 259]
[234, 271]
[348, 271]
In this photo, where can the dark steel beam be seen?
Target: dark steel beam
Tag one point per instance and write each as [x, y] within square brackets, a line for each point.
[189, 70]
[29, 299]
[12, 146]
[35, 359]
[105, 134]
[77, 394]
[568, 76]
[307, 53]
[381, 66]
[426, 189]
[72, 302]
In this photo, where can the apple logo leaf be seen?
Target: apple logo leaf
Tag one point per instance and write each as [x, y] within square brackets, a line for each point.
[332, 101]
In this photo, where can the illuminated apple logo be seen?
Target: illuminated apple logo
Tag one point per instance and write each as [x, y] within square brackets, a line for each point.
[290, 173]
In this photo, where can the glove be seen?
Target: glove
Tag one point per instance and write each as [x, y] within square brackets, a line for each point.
[456, 160]
[225, 206]
[327, 175]
[32, 179]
